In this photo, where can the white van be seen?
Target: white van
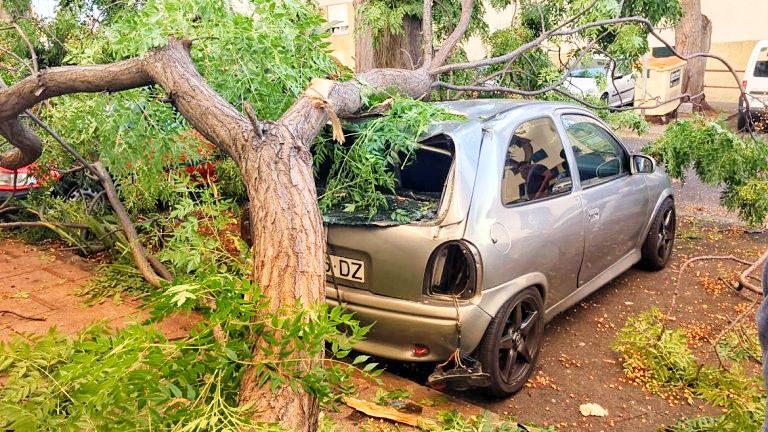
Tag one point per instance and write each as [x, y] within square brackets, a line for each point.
[756, 86]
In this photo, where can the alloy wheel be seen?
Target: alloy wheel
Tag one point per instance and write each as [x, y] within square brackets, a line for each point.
[666, 234]
[519, 341]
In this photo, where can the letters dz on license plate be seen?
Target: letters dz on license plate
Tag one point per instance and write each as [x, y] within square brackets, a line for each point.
[345, 268]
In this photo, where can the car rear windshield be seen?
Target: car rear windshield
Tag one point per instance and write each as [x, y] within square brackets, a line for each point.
[427, 173]
[419, 184]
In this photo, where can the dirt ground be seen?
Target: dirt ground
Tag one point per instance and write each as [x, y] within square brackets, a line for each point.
[576, 365]
[42, 283]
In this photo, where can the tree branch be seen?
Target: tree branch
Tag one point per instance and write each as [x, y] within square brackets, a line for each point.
[28, 146]
[513, 55]
[479, 88]
[22, 61]
[30, 48]
[42, 224]
[744, 275]
[658, 103]
[215, 118]
[308, 115]
[560, 30]
[171, 67]
[457, 35]
[137, 249]
[48, 83]
[426, 33]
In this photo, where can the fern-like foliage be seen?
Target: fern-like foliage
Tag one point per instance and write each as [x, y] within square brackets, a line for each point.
[720, 158]
[658, 358]
[361, 172]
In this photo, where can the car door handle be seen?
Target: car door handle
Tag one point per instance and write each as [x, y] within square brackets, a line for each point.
[593, 215]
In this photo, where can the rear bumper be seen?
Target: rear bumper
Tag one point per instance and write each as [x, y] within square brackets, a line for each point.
[398, 325]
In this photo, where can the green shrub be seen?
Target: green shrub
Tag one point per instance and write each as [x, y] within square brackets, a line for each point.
[658, 358]
[720, 157]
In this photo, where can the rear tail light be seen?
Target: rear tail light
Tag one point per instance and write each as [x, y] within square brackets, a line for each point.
[452, 270]
[744, 84]
[420, 350]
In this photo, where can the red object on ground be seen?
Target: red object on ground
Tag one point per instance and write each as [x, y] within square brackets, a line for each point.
[19, 182]
[203, 172]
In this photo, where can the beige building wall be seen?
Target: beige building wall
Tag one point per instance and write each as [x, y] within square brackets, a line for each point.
[497, 20]
[341, 17]
[736, 26]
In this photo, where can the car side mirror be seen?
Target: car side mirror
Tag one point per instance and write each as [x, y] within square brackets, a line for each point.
[642, 164]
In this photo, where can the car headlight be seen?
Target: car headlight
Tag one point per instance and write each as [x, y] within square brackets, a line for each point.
[452, 270]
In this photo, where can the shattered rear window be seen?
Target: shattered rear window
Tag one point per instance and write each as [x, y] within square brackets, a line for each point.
[419, 186]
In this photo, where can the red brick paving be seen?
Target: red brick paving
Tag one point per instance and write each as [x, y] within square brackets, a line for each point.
[42, 283]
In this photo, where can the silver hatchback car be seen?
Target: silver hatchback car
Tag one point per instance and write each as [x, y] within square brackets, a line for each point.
[537, 205]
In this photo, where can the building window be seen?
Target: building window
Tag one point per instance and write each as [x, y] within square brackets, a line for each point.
[338, 18]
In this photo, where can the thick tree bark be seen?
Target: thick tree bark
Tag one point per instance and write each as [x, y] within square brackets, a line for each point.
[363, 43]
[398, 51]
[289, 247]
[693, 35]
[289, 242]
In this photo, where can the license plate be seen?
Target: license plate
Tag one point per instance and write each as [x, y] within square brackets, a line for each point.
[345, 268]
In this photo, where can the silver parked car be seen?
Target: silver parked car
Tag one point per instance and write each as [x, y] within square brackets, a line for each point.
[537, 206]
[619, 83]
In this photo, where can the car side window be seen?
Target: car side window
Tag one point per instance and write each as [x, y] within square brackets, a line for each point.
[535, 165]
[599, 157]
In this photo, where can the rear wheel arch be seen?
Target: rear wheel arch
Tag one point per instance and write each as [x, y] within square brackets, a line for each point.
[493, 307]
[493, 299]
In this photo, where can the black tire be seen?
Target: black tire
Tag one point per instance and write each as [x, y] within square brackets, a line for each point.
[604, 98]
[657, 248]
[741, 124]
[765, 280]
[510, 346]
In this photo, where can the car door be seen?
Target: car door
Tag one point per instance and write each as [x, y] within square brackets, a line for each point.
[621, 87]
[615, 202]
[534, 223]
